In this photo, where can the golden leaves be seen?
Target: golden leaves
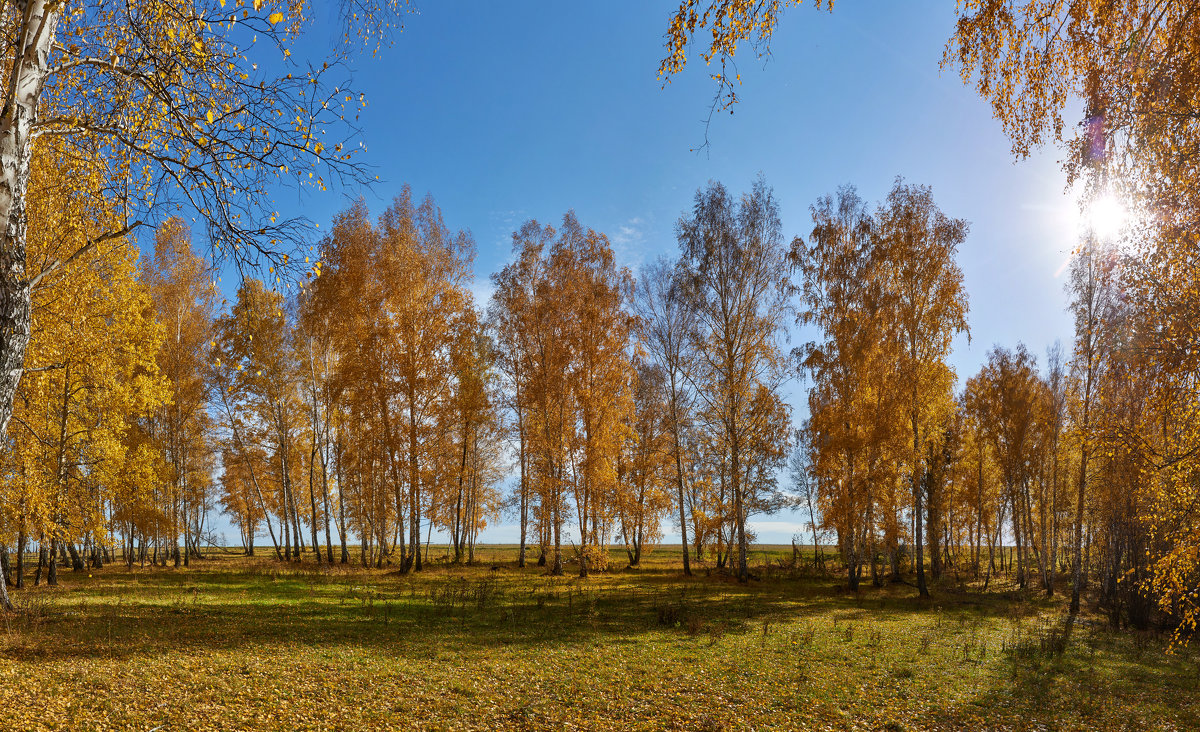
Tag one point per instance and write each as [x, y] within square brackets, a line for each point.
[92, 353]
[731, 23]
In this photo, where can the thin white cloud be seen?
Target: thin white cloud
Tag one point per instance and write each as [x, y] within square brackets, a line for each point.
[482, 289]
[629, 242]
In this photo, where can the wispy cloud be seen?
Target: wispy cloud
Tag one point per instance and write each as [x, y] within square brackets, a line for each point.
[482, 288]
[503, 224]
[629, 242]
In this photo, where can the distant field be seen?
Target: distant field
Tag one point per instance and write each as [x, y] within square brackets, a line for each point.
[238, 643]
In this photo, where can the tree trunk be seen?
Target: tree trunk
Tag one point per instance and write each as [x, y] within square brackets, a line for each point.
[5, 603]
[1077, 569]
[21, 540]
[687, 566]
[325, 503]
[558, 562]
[345, 558]
[312, 498]
[52, 566]
[175, 523]
[933, 524]
[917, 513]
[16, 151]
[979, 516]
[262, 503]
[77, 561]
[1017, 531]
[284, 522]
[524, 487]
[414, 484]
[739, 507]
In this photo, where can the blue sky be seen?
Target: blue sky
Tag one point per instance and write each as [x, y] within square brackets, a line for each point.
[505, 112]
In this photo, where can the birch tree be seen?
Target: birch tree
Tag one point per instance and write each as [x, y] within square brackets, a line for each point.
[734, 263]
[172, 96]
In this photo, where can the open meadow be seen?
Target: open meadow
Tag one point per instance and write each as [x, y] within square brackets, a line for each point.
[249, 643]
[278, 275]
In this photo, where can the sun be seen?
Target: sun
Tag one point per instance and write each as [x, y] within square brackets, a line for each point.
[1106, 217]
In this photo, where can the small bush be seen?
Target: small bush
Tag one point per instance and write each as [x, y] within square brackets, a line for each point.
[597, 558]
[670, 614]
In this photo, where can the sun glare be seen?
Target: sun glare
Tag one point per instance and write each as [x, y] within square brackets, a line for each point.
[1106, 217]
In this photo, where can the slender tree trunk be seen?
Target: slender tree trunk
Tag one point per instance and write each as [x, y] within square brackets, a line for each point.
[1018, 530]
[5, 603]
[414, 483]
[345, 559]
[543, 530]
[979, 518]
[325, 503]
[739, 506]
[312, 498]
[933, 525]
[679, 487]
[290, 495]
[394, 467]
[917, 511]
[557, 519]
[524, 486]
[1054, 521]
[262, 503]
[175, 522]
[21, 541]
[1040, 549]
[285, 524]
[459, 519]
[1077, 568]
[52, 566]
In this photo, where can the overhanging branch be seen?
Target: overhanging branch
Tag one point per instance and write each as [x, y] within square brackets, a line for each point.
[59, 262]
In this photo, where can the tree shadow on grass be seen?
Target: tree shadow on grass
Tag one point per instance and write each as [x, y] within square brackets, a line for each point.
[232, 605]
[1056, 674]
[119, 618]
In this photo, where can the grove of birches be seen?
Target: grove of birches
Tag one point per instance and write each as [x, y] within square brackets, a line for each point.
[354, 399]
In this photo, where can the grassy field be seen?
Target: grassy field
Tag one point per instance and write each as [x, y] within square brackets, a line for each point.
[236, 643]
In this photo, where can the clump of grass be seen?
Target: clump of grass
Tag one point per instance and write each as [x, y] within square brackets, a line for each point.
[670, 614]
[716, 632]
[875, 638]
[805, 636]
[1047, 640]
[924, 641]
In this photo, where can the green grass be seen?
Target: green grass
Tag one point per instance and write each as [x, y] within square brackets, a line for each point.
[234, 643]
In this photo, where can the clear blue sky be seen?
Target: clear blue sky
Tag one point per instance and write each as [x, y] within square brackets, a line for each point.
[510, 111]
